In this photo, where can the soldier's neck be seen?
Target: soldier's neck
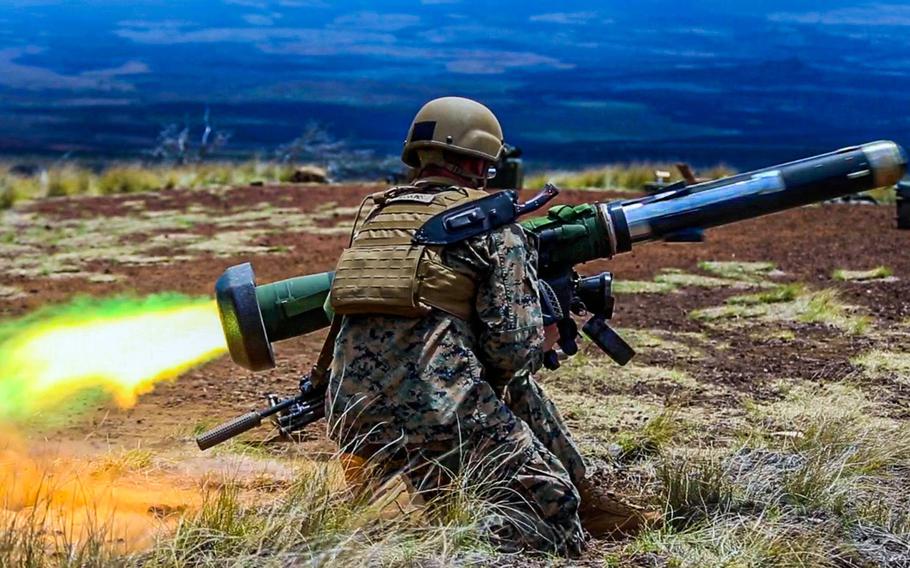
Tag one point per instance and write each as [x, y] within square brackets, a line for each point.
[431, 174]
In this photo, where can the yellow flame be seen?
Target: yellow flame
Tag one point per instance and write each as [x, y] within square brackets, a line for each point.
[124, 352]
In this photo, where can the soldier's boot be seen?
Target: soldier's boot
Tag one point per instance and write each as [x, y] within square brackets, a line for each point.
[603, 513]
[391, 496]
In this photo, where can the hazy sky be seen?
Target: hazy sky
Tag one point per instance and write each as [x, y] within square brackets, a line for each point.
[562, 72]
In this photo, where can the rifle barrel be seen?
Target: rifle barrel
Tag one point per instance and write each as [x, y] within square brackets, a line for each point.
[243, 423]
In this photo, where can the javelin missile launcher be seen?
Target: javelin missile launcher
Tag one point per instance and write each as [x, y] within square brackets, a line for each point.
[253, 317]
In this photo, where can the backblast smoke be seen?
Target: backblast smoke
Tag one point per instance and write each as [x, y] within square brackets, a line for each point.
[117, 347]
[53, 359]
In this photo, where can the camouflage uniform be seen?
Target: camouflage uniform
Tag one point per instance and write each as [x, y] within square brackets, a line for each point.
[438, 394]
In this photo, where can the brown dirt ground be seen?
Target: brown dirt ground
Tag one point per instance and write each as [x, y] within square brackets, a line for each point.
[806, 244]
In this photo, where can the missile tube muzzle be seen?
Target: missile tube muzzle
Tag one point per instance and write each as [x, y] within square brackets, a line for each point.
[253, 317]
[753, 194]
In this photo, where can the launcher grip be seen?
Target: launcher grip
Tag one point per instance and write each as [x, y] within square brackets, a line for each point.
[228, 430]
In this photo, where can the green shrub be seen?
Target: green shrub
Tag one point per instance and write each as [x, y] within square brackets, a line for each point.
[129, 179]
[69, 181]
[14, 189]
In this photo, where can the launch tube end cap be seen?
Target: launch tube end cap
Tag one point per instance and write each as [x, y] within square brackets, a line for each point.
[887, 160]
[241, 319]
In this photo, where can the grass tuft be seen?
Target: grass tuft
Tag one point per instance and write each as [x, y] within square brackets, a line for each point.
[135, 460]
[683, 279]
[789, 302]
[693, 485]
[778, 294]
[68, 181]
[652, 438]
[738, 270]
[317, 521]
[879, 362]
[877, 273]
[129, 179]
[825, 307]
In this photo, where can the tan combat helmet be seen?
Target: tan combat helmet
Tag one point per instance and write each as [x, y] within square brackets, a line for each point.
[455, 124]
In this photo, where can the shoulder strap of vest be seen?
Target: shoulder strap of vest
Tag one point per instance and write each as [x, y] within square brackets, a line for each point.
[319, 375]
[479, 217]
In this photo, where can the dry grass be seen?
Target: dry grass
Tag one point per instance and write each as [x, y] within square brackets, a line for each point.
[722, 275]
[134, 460]
[315, 523]
[684, 279]
[789, 302]
[749, 271]
[880, 362]
[617, 176]
[816, 479]
[71, 180]
[877, 273]
[642, 287]
[314, 520]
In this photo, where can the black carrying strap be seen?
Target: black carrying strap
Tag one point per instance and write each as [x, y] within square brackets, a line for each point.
[480, 216]
[320, 373]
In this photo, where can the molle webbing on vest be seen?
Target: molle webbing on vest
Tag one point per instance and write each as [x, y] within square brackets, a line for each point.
[383, 272]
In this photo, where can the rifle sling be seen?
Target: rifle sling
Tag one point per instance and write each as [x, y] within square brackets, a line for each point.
[320, 372]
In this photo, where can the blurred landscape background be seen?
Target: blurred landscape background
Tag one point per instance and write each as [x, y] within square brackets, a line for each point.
[744, 83]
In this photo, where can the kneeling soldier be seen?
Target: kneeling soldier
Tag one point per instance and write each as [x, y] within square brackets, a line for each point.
[437, 344]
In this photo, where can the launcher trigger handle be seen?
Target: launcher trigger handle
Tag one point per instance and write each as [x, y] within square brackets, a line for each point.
[545, 195]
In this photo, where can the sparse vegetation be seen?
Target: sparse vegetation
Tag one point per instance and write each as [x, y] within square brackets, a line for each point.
[682, 279]
[136, 460]
[617, 176]
[815, 482]
[790, 302]
[72, 180]
[782, 293]
[825, 307]
[879, 362]
[314, 520]
[318, 522]
[877, 273]
[652, 438]
[642, 287]
[738, 270]
[749, 470]
[125, 179]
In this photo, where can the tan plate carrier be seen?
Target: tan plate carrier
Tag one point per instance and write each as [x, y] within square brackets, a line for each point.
[384, 272]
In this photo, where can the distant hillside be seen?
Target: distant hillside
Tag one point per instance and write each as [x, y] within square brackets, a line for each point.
[743, 83]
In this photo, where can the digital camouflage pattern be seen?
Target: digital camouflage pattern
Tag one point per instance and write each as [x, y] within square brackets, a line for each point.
[527, 400]
[429, 396]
